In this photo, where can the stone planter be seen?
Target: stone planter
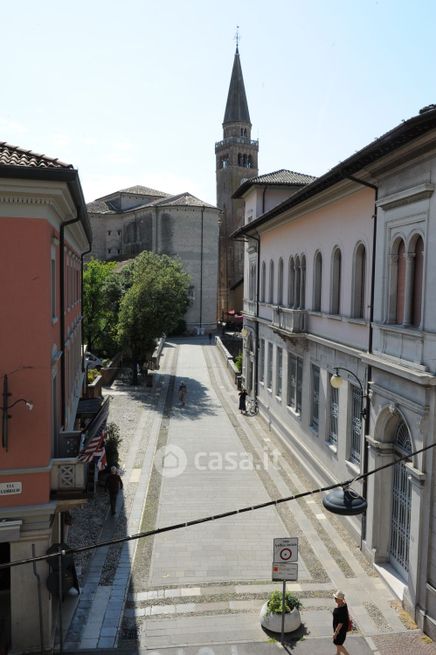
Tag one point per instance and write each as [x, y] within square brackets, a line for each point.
[273, 621]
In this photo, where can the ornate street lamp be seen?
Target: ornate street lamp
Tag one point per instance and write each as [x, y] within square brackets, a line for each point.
[6, 407]
[344, 500]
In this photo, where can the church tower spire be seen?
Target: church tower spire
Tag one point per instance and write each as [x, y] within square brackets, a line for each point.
[236, 160]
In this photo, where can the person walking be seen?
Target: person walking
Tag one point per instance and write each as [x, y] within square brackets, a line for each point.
[210, 338]
[243, 401]
[183, 390]
[340, 623]
[113, 484]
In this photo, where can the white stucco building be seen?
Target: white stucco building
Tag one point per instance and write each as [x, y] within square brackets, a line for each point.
[340, 276]
[126, 222]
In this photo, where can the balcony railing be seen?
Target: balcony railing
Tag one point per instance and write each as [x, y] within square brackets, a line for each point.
[242, 140]
[69, 476]
[250, 307]
[289, 320]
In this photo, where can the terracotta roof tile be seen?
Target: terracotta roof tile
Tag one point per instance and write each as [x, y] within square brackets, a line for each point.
[283, 176]
[14, 156]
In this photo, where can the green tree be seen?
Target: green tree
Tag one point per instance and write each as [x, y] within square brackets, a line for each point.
[103, 288]
[153, 305]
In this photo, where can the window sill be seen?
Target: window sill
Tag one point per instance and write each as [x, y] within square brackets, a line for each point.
[353, 467]
[332, 447]
[334, 317]
[294, 413]
[54, 320]
[357, 321]
[279, 399]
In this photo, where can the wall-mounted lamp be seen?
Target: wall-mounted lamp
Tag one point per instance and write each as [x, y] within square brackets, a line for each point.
[6, 407]
[336, 381]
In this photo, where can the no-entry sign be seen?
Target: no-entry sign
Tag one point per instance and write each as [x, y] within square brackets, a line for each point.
[285, 550]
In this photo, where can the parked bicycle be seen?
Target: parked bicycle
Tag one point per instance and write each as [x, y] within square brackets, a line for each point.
[252, 407]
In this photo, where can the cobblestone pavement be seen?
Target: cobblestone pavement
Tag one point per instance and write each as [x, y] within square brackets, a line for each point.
[204, 585]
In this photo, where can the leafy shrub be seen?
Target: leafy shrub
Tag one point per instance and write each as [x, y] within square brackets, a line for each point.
[112, 442]
[92, 374]
[238, 362]
[275, 602]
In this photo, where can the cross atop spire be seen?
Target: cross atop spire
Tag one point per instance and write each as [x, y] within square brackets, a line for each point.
[237, 39]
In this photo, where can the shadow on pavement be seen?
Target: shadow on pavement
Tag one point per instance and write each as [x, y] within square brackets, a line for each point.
[291, 639]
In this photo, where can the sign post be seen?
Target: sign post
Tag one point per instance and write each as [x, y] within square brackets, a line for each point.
[285, 567]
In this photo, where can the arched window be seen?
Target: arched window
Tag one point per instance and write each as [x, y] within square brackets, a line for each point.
[317, 282]
[263, 282]
[359, 280]
[280, 283]
[271, 282]
[401, 502]
[336, 282]
[297, 292]
[303, 283]
[399, 265]
[291, 282]
[418, 268]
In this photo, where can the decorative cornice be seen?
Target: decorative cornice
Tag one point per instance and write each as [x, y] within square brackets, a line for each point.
[407, 196]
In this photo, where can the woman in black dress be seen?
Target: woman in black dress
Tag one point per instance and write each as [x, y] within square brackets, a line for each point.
[340, 623]
[243, 401]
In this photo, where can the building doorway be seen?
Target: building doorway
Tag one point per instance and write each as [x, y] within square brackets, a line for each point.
[5, 599]
[401, 503]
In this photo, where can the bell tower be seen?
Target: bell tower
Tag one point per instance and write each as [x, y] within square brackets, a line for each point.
[236, 160]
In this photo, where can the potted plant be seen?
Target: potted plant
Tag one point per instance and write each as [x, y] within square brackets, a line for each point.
[271, 612]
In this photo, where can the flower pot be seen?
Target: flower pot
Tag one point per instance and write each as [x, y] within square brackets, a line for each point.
[273, 621]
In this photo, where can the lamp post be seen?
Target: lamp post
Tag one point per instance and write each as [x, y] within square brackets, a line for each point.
[6, 407]
[344, 500]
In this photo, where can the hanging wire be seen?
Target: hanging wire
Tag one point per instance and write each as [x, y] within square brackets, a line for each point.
[214, 517]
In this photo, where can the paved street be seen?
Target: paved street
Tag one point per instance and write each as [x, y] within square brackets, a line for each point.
[198, 590]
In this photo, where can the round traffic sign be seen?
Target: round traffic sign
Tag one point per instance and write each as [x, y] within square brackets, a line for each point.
[285, 554]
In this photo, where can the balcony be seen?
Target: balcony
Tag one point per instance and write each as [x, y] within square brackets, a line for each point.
[69, 478]
[250, 307]
[290, 321]
[239, 140]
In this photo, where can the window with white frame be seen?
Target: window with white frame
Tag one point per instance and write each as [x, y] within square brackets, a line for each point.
[317, 282]
[303, 282]
[271, 282]
[291, 282]
[280, 283]
[359, 275]
[269, 366]
[332, 437]
[295, 382]
[263, 282]
[262, 360]
[314, 420]
[417, 275]
[335, 307]
[355, 424]
[279, 365]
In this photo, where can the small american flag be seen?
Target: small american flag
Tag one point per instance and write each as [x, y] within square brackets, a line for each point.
[95, 449]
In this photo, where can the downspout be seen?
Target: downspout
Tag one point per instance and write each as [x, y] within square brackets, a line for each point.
[201, 270]
[370, 342]
[81, 298]
[256, 332]
[62, 311]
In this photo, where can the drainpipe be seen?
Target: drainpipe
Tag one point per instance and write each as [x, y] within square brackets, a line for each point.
[201, 270]
[256, 350]
[62, 310]
[81, 297]
[370, 342]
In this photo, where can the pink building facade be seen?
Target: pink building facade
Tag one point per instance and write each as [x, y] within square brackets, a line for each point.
[44, 232]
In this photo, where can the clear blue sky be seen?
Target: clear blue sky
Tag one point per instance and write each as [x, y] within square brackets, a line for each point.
[134, 91]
